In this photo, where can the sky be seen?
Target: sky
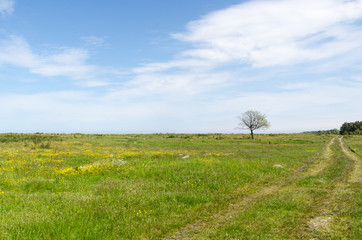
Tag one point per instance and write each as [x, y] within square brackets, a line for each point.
[191, 66]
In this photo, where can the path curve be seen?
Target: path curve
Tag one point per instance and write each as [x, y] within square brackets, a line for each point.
[356, 175]
[221, 217]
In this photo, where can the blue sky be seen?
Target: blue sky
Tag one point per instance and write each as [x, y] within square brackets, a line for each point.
[178, 66]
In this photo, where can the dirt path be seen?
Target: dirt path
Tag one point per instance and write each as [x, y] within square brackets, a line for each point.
[356, 175]
[324, 161]
[328, 222]
[224, 215]
[218, 219]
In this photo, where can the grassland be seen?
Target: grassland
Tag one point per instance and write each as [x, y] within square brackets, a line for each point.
[167, 186]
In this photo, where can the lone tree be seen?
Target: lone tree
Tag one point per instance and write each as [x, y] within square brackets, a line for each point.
[253, 120]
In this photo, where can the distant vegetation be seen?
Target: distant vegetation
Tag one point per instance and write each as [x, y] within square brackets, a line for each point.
[21, 137]
[347, 128]
[351, 128]
[332, 131]
[37, 140]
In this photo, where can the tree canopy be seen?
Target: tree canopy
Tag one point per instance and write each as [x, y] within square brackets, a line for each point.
[351, 128]
[253, 120]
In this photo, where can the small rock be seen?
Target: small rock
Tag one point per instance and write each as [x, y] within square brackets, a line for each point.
[187, 156]
[278, 166]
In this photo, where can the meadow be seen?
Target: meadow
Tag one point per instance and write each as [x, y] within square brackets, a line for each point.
[179, 186]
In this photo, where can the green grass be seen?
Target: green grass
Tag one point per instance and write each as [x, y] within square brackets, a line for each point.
[143, 187]
[299, 210]
[354, 142]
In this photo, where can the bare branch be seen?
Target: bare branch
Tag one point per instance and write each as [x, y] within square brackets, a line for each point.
[253, 120]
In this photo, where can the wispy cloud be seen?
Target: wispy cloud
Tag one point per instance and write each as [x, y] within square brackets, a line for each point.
[68, 62]
[94, 41]
[15, 51]
[171, 87]
[7, 7]
[188, 64]
[270, 33]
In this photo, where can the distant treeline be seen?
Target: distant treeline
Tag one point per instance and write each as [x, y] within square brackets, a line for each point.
[351, 128]
[332, 131]
[347, 128]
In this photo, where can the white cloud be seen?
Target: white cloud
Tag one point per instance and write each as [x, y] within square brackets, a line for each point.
[194, 64]
[267, 33]
[172, 86]
[16, 51]
[68, 62]
[270, 33]
[7, 7]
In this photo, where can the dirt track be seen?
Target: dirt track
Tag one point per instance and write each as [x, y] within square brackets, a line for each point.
[318, 221]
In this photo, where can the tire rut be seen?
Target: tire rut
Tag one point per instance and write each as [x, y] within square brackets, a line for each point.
[327, 222]
[325, 159]
[356, 174]
[223, 216]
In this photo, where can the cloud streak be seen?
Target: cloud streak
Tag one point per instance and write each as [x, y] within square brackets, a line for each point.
[270, 33]
[66, 62]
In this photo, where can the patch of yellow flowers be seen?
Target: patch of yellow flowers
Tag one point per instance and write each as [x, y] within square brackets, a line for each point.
[91, 168]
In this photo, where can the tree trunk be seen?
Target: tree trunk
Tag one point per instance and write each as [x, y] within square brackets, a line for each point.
[252, 134]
